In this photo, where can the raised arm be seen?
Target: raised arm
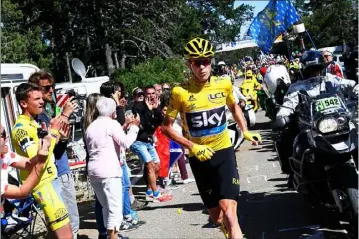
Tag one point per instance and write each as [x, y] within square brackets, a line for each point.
[119, 136]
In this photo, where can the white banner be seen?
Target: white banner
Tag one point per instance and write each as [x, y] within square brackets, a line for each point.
[231, 46]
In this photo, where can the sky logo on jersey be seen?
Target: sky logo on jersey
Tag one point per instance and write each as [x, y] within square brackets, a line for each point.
[207, 122]
[217, 97]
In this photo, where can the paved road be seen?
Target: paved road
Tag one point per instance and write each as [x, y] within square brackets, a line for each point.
[266, 209]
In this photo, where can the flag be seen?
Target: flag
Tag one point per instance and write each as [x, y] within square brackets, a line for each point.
[175, 153]
[277, 17]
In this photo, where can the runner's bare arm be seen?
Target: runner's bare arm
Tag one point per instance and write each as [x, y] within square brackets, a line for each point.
[168, 130]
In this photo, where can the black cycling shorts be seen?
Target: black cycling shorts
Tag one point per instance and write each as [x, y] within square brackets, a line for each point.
[217, 178]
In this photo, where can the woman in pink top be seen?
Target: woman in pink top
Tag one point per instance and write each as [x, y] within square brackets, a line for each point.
[104, 137]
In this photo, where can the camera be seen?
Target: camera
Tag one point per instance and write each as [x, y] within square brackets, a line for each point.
[41, 133]
[72, 93]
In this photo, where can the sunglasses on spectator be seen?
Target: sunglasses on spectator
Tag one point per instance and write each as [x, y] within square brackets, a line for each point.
[46, 88]
[166, 88]
[4, 136]
[198, 63]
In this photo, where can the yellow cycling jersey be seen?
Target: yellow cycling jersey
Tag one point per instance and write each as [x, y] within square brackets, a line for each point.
[202, 110]
[25, 141]
[251, 83]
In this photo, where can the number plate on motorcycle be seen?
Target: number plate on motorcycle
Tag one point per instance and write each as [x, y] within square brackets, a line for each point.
[327, 103]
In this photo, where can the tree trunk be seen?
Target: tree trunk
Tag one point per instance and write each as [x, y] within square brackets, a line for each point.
[68, 67]
[123, 61]
[116, 60]
[108, 52]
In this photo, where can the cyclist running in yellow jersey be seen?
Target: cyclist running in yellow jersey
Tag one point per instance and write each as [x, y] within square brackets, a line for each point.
[201, 103]
[24, 136]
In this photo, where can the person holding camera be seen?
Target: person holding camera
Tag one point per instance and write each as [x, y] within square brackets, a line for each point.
[116, 91]
[25, 140]
[105, 163]
[151, 117]
[64, 175]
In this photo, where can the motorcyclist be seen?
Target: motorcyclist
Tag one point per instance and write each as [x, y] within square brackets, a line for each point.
[313, 64]
[250, 78]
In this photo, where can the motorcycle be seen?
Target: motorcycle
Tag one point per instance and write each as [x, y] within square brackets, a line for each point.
[322, 160]
[247, 109]
[250, 93]
[235, 133]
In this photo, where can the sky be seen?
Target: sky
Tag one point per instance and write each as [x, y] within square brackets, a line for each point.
[258, 6]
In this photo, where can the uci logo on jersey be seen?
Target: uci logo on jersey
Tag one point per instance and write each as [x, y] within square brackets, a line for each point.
[216, 97]
[207, 122]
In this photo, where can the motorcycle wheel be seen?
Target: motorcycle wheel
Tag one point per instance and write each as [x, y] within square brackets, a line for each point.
[352, 195]
[250, 117]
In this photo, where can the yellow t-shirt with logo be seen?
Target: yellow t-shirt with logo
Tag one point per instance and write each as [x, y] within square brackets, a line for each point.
[25, 140]
[203, 110]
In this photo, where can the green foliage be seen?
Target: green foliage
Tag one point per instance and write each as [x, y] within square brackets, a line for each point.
[330, 22]
[232, 57]
[20, 44]
[156, 70]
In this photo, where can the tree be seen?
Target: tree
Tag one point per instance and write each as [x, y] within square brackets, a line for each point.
[330, 22]
[111, 34]
[20, 44]
[219, 20]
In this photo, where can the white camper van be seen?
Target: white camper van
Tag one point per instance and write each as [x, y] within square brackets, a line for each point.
[13, 75]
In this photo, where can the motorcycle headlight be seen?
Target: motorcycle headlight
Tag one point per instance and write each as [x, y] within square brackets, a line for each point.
[327, 125]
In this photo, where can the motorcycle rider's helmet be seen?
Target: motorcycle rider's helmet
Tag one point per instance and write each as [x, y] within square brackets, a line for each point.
[312, 61]
[198, 48]
[249, 73]
[276, 75]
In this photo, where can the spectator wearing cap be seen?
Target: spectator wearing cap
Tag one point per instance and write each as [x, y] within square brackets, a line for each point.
[138, 95]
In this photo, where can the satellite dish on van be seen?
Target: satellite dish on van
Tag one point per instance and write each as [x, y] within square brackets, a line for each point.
[79, 67]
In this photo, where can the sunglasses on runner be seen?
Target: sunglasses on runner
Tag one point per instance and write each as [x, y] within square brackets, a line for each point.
[198, 63]
[46, 88]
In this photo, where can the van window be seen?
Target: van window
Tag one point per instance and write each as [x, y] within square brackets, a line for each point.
[12, 77]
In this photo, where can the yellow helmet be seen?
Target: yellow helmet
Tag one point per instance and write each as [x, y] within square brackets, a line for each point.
[198, 47]
[249, 73]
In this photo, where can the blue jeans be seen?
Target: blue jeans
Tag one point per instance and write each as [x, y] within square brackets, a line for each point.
[145, 151]
[126, 183]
